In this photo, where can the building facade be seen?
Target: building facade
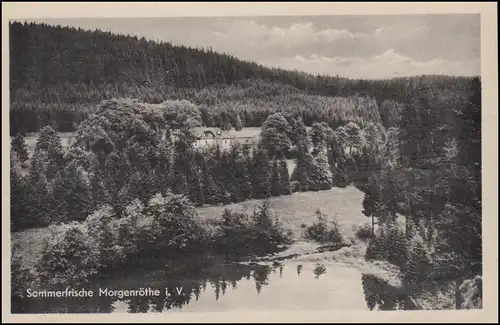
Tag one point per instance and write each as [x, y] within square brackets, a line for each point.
[208, 137]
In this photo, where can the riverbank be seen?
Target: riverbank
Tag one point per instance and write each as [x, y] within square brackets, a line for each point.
[295, 212]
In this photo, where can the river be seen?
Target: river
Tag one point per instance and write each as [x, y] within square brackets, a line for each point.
[270, 286]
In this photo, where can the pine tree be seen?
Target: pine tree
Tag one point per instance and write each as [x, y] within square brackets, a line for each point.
[298, 132]
[354, 136]
[196, 194]
[285, 188]
[351, 168]
[39, 192]
[18, 145]
[243, 185]
[373, 136]
[210, 189]
[320, 135]
[239, 123]
[275, 179]
[341, 176]
[417, 268]
[19, 217]
[303, 167]
[72, 194]
[261, 174]
[320, 176]
[49, 141]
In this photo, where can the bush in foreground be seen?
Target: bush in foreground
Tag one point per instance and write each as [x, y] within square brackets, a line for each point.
[389, 246]
[322, 233]
[237, 234]
[364, 232]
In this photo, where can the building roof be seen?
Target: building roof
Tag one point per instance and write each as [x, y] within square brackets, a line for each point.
[211, 132]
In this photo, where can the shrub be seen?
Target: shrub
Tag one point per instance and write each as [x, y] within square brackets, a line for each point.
[104, 238]
[21, 280]
[322, 233]
[238, 233]
[233, 235]
[175, 217]
[364, 232]
[417, 268]
[267, 231]
[70, 258]
[389, 246]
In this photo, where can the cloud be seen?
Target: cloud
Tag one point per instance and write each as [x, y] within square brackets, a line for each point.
[370, 46]
[248, 32]
[390, 56]
[336, 34]
[385, 65]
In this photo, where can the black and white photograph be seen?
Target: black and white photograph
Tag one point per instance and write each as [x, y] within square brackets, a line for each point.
[245, 163]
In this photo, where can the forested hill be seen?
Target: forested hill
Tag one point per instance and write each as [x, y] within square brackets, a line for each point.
[58, 74]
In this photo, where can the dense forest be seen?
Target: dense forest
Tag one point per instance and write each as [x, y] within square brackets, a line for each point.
[412, 145]
[59, 74]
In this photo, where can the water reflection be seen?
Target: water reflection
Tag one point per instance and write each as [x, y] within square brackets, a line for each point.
[382, 296]
[319, 270]
[309, 286]
[261, 277]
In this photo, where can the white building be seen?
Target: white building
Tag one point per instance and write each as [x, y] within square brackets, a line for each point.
[207, 137]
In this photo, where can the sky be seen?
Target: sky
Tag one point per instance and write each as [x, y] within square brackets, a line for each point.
[363, 46]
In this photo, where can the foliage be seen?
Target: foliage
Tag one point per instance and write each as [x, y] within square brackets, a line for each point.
[320, 175]
[19, 199]
[275, 134]
[321, 232]
[70, 258]
[388, 246]
[18, 146]
[21, 280]
[364, 232]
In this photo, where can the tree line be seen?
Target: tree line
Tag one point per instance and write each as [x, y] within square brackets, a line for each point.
[125, 151]
[59, 84]
[432, 177]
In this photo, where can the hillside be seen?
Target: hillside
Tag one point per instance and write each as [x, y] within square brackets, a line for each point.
[60, 84]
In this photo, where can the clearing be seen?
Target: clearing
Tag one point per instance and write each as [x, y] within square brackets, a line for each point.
[343, 204]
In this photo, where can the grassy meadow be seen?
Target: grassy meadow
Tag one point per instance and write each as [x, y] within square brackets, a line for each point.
[294, 211]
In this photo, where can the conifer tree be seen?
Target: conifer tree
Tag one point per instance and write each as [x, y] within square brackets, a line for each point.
[243, 185]
[196, 194]
[341, 176]
[320, 176]
[303, 167]
[49, 141]
[261, 174]
[298, 133]
[275, 179]
[239, 123]
[285, 188]
[19, 217]
[210, 189]
[18, 145]
[39, 192]
[72, 194]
